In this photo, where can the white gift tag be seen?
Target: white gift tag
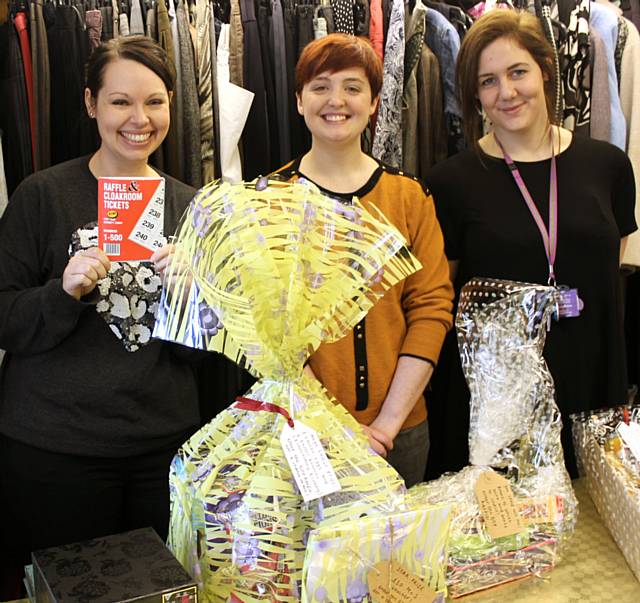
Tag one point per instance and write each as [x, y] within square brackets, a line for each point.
[149, 229]
[630, 435]
[309, 464]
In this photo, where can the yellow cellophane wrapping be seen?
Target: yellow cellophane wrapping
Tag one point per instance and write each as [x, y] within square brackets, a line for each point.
[282, 269]
[340, 557]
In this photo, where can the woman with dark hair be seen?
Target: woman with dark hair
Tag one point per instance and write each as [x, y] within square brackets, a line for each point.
[87, 428]
[531, 202]
[380, 370]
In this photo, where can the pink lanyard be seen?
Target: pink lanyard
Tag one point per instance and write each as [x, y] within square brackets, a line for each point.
[549, 237]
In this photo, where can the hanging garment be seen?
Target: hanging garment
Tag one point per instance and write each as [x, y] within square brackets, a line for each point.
[41, 86]
[177, 100]
[432, 131]
[4, 194]
[263, 8]
[459, 19]
[630, 102]
[300, 137]
[605, 22]
[632, 12]
[190, 123]
[14, 113]
[93, 21]
[444, 41]
[361, 17]
[600, 127]
[4, 200]
[163, 33]
[412, 54]
[324, 11]
[236, 45]
[205, 93]
[376, 27]
[73, 134]
[151, 29]
[170, 145]
[107, 23]
[576, 73]
[257, 158]
[304, 26]
[214, 30]
[116, 18]
[235, 103]
[136, 25]
[124, 24]
[623, 32]
[547, 26]
[387, 141]
[144, 7]
[343, 16]
[386, 17]
[319, 26]
[20, 23]
[125, 7]
[281, 76]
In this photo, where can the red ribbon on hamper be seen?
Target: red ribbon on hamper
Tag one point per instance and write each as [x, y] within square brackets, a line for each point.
[255, 405]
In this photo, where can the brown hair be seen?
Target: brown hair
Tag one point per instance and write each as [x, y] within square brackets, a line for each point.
[525, 30]
[140, 49]
[336, 52]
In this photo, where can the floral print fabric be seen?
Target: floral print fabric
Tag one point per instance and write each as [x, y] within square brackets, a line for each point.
[127, 298]
[387, 142]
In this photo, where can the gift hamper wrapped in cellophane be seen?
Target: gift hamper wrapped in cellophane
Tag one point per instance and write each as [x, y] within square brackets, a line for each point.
[345, 561]
[274, 269]
[514, 505]
[607, 445]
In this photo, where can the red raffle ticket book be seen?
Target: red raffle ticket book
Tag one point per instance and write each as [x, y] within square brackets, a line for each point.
[130, 217]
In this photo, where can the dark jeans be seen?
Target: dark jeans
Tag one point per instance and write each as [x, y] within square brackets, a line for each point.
[49, 499]
[410, 452]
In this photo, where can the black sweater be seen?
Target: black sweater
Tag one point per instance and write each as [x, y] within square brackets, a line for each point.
[67, 384]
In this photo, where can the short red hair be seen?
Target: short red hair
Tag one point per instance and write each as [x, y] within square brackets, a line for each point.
[336, 52]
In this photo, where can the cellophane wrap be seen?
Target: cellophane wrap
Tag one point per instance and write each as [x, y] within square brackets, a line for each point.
[340, 557]
[612, 474]
[275, 269]
[599, 428]
[514, 429]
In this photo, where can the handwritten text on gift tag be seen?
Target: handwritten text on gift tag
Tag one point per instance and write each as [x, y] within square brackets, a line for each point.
[309, 464]
[391, 582]
[497, 505]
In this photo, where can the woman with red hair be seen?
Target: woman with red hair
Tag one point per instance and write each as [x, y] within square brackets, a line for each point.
[378, 371]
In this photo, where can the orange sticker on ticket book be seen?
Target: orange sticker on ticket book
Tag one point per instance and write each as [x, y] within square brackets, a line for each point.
[391, 582]
[497, 505]
[131, 217]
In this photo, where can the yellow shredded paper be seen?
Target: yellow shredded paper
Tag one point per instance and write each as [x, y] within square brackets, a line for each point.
[272, 274]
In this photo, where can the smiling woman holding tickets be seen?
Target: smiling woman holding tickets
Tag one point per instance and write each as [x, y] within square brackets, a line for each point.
[378, 371]
[529, 201]
[88, 428]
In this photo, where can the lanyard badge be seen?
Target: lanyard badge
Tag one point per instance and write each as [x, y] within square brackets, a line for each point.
[569, 304]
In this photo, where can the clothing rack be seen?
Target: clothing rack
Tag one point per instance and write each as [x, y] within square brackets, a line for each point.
[47, 122]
